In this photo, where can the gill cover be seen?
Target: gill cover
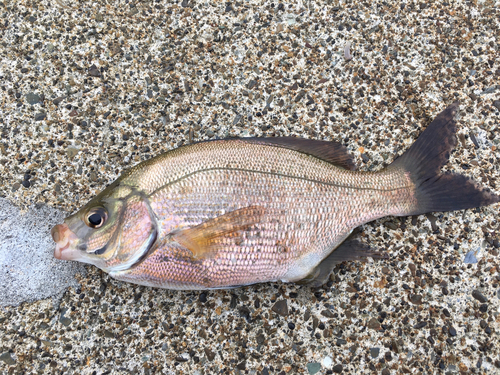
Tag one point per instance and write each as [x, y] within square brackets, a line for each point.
[113, 231]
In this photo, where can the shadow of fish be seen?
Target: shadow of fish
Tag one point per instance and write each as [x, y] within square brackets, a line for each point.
[234, 212]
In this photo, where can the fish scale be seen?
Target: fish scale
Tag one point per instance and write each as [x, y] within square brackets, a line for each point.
[241, 211]
[291, 221]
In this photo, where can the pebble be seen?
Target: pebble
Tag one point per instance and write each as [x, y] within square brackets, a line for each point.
[374, 352]
[203, 297]
[373, 323]
[327, 361]
[479, 296]
[313, 367]
[280, 307]
[65, 321]
[72, 151]
[40, 116]
[452, 331]
[94, 71]
[58, 100]
[337, 369]
[33, 99]
[416, 299]
[470, 257]
[7, 358]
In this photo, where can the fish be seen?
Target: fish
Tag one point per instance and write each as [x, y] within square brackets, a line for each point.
[233, 212]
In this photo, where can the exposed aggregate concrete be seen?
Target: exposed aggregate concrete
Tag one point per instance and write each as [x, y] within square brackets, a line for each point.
[88, 89]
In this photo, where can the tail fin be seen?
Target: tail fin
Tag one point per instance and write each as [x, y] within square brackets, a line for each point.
[436, 191]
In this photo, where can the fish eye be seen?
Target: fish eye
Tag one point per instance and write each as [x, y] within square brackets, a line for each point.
[96, 217]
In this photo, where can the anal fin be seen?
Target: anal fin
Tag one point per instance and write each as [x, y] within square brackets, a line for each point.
[348, 250]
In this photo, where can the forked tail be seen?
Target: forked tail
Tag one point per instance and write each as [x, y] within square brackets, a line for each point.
[436, 191]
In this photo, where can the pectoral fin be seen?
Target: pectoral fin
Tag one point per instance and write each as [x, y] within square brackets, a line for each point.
[347, 251]
[201, 239]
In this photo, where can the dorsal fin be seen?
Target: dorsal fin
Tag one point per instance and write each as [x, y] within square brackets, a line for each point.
[332, 152]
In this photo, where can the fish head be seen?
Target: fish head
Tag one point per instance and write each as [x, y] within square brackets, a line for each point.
[113, 231]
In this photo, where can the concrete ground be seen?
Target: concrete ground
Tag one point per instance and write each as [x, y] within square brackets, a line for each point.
[88, 89]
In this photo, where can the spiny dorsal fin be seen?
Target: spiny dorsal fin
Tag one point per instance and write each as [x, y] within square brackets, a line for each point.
[332, 152]
[201, 239]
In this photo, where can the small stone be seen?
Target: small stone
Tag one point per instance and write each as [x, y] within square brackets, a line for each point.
[327, 313]
[299, 96]
[33, 99]
[58, 100]
[327, 361]
[241, 366]
[313, 367]
[16, 186]
[65, 321]
[280, 308]
[210, 354]
[203, 297]
[210, 133]
[260, 339]
[391, 225]
[416, 299]
[251, 84]
[479, 296]
[374, 352]
[496, 104]
[237, 119]
[340, 342]
[94, 71]
[72, 151]
[420, 325]
[470, 257]
[26, 183]
[93, 176]
[432, 219]
[7, 358]
[40, 116]
[452, 331]
[374, 324]
[108, 334]
[337, 369]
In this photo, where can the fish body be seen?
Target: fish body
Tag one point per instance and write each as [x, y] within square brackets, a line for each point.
[235, 212]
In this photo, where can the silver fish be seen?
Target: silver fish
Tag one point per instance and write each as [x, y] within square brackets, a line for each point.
[235, 212]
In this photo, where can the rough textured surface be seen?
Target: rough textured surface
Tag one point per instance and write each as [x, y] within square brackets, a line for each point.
[28, 271]
[88, 90]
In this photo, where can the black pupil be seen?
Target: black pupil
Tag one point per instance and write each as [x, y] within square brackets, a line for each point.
[95, 219]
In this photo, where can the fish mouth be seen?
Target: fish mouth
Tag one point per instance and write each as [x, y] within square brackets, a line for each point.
[64, 239]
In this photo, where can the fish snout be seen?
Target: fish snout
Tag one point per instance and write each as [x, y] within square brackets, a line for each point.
[63, 237]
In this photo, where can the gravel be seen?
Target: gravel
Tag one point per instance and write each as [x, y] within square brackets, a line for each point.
[89, 91]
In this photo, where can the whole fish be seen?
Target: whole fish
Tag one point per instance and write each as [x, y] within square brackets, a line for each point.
[234, 212]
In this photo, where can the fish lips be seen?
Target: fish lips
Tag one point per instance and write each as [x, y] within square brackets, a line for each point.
[64, 239]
